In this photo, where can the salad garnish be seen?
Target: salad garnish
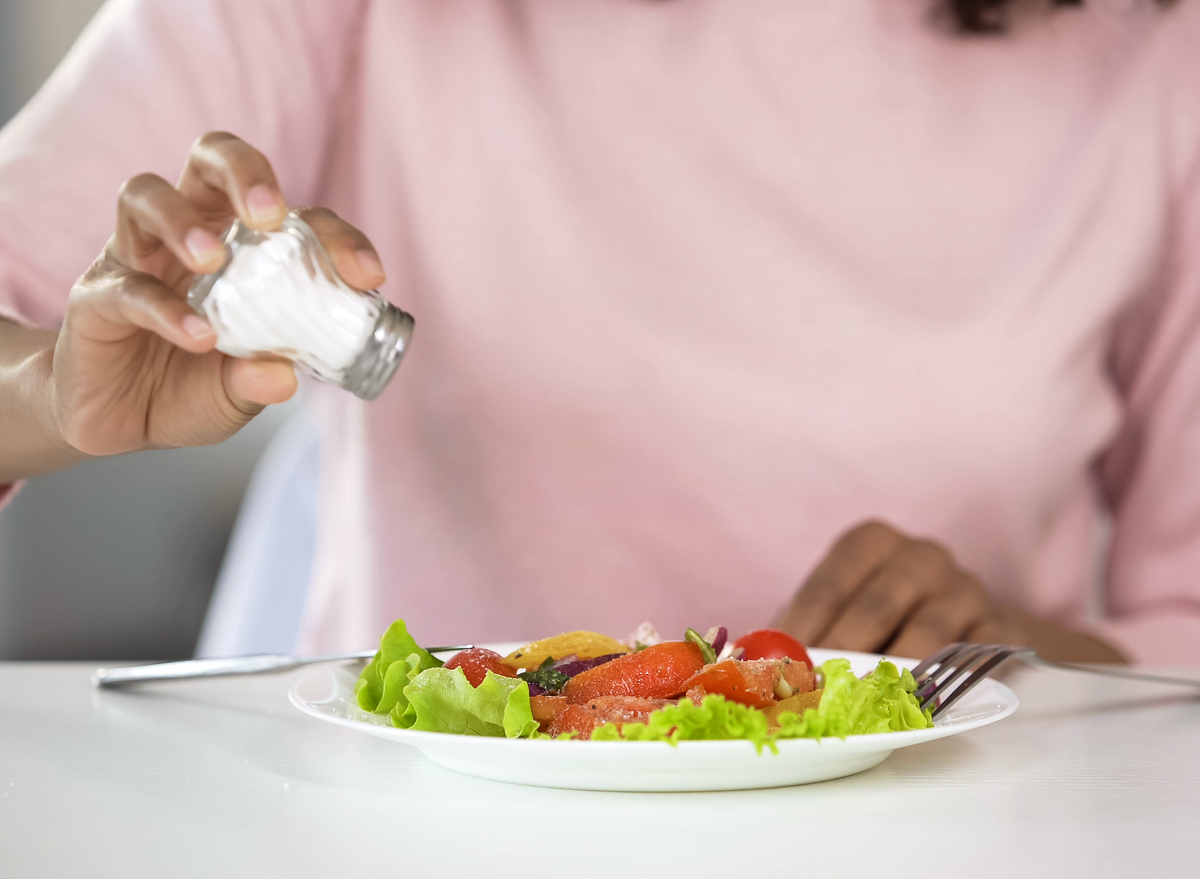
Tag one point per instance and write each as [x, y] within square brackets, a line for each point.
[582, 685]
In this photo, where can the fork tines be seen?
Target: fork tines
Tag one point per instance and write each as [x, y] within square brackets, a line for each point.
[948, 674]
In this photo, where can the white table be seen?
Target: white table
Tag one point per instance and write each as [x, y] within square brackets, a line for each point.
[224, 778]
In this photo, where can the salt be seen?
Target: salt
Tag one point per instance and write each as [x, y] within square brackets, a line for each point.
[279, 295]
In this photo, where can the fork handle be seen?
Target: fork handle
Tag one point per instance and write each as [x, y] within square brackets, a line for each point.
[205, 668]
[1108, 671]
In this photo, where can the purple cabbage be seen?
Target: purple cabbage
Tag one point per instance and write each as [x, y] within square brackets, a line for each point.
[575, 666]
[553, 676]
[718, 643]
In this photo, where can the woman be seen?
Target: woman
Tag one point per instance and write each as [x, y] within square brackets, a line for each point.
[701, 287]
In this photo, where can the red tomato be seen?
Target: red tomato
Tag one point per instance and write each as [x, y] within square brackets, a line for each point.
[476, 663]
[573, 718]
[738, 682]
[546, 708]
[772, 644]
[584, 718]
[655, 673]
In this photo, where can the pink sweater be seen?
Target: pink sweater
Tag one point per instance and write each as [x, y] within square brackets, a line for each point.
[700, 284]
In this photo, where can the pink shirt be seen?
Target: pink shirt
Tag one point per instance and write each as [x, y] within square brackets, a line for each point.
[699, 285]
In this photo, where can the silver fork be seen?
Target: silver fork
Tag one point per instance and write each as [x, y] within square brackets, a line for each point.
[946, 676]
[261, 663]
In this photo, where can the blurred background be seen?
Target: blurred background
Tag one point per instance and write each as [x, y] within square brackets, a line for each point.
[113, 559]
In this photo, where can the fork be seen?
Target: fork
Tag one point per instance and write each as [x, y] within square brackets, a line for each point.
[261, 663]
[946, 676]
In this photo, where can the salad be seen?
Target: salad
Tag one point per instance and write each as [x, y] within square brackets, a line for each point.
[582, 685]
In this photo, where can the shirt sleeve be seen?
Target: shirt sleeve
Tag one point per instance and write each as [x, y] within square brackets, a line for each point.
[1151, 474]
[146, 78]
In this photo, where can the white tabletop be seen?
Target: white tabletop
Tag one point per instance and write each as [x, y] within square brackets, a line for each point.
[1090, 777]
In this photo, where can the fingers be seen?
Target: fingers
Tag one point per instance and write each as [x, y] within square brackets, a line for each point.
[151, 215]
[111, 300]
[875, 612]
[253, 384]
[851, 560]
[352, 252]
[951, 615]
[225, 176]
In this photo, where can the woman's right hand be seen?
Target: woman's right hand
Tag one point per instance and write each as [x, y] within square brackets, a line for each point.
[133, 366]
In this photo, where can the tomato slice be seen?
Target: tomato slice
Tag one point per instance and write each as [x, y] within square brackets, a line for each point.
[574, 718]
[772, 644]
[477, 662]
[546, 708]
[656, 672]
[729, 678]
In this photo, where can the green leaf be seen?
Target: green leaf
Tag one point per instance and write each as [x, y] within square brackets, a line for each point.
[443, 700]
[715, 718]
[706, 649]
[880, 702]
[372, 689]
[549, 679]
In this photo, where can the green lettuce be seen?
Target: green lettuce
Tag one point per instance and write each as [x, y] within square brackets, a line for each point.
[714, 718]
[380, 687]
[443, 700]
[883, 701]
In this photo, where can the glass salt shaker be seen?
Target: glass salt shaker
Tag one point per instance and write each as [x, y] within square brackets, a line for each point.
[279, 294]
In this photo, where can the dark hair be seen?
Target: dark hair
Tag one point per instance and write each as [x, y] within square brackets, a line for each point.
[991, 16]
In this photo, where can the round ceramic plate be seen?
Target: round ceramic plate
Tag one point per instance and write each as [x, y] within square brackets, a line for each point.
[328, 694]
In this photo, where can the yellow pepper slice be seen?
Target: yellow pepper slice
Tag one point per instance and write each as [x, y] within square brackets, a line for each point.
[796, 704]
[585, 645]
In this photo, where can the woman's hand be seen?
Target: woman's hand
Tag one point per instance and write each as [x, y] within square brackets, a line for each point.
[879, 591]
[133, 366]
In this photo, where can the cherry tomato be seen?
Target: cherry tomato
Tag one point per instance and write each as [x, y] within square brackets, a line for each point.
[772, 644]
[656, 672]
[476, 663]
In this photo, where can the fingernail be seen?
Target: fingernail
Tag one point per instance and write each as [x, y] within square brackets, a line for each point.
[196, 326]
[203, 246]
[262, 205]
[369, 262]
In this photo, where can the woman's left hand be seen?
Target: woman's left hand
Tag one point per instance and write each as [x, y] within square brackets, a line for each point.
[881, 591]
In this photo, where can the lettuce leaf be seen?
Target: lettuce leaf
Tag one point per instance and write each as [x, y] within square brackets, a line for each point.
[715, 718]
[380, 687]
[880, 702]
[443, 700]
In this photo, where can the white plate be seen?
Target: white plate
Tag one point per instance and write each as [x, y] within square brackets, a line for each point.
[328, 694]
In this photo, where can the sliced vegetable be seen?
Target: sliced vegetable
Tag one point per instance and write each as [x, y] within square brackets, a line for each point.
[582, 718]
[573, 719]
[741, 682]
[546, 708]
[443, 700]
[655, 672]
[706, 649]
[583, 644]
[797, 705]
[772, 644]
[574, 666]
[720, 639]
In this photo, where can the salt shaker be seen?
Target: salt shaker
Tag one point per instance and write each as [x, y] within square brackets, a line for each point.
[279, 294]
